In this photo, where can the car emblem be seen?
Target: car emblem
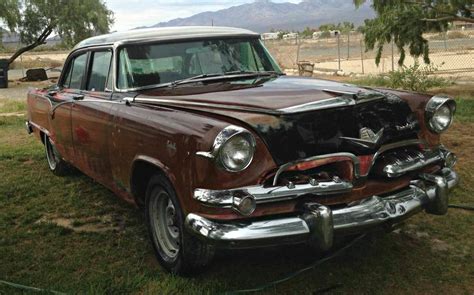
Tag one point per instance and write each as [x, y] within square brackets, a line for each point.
[368, 138]
[407, 126]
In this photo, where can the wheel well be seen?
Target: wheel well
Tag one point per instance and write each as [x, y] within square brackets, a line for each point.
[141, 175]
[42, 136]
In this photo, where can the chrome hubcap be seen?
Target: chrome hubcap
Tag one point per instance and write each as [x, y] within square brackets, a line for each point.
[166, 231]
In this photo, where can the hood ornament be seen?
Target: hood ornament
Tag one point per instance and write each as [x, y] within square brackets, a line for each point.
[368, 138]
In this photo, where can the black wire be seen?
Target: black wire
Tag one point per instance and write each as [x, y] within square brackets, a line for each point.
[28, 288]
[464, 207]
[320, 261]
[296, 273]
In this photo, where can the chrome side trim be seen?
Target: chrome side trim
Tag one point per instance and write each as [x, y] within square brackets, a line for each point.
[319, 223]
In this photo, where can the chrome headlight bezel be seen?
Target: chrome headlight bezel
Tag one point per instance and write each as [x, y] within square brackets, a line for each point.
[228, 133]
[434, 105]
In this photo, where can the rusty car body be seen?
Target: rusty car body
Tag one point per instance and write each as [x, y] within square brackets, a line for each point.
[200, 127]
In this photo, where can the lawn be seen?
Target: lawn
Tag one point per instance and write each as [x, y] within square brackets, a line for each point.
[72, 235]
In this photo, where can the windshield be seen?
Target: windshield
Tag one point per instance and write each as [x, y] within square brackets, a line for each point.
[145, 65]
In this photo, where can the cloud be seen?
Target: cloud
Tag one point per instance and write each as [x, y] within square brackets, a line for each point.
[130, 14]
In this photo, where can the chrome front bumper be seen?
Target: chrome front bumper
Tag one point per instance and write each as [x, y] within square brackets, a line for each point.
[318, 224]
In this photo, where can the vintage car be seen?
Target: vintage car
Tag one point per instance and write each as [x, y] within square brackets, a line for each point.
[200, 128]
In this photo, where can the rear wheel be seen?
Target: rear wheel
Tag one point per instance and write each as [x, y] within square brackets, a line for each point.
[176, 250]
[55, 162]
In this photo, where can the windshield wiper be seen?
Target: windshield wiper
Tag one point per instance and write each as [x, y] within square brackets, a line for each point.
[231, 75]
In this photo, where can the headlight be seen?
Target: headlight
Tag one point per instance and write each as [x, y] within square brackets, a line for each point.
[440, 113]
[237, 152]
[233, 149]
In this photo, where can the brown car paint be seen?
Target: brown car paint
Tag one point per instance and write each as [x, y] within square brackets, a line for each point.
[108, 140]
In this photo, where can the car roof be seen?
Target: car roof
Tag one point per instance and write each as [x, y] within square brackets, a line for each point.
[167, 33]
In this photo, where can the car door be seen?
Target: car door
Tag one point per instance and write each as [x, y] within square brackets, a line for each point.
[92, 116]
[62, 99]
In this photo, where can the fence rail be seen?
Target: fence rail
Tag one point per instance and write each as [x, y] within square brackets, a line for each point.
[450, 52]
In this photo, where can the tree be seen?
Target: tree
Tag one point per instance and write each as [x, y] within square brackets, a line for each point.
[346, 27]
[307, 33]
[72, 20]
[405, 21]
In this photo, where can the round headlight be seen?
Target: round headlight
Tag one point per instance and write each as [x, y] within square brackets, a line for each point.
[442, 119]
[440, 113]
[236, 153]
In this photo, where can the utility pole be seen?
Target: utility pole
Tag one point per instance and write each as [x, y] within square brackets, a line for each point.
[393, 55]
[339, 50]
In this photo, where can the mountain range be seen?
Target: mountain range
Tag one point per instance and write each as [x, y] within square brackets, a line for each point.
[265, 15]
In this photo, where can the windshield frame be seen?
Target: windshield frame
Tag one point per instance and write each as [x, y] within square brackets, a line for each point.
[118, 46]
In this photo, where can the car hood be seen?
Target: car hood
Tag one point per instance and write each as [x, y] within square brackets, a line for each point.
[274, 94]
[298, 117]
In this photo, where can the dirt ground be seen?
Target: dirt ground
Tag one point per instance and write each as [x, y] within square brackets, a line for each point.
[18, 90]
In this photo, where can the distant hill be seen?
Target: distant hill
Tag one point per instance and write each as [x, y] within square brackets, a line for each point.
[264, 15]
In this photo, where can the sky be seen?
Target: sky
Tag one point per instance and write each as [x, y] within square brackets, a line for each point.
[130, 14]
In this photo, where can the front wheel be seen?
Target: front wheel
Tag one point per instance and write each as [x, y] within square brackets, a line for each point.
[55, 162]
[176, 250]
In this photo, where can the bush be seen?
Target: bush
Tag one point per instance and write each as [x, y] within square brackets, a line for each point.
[415, 78]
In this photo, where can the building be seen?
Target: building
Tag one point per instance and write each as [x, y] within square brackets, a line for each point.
[317, 34]
[270, 36]
[459, 25]
[290, 36]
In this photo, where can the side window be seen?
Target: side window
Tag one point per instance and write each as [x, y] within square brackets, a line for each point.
[101, 61]
[76, 72]
[67, 77]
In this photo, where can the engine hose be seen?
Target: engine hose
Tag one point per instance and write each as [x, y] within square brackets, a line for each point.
[298, 272]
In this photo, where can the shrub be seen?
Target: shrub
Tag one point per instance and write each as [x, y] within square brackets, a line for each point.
[415, 78]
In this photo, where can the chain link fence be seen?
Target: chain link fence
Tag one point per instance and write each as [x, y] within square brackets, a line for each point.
[451, 53]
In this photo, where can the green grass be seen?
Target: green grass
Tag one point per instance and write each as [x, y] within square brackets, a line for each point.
[465, 110]
[12, 106]
[48, 256]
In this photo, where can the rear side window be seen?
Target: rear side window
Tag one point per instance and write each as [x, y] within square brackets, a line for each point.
[101, 61]
[76, 72]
